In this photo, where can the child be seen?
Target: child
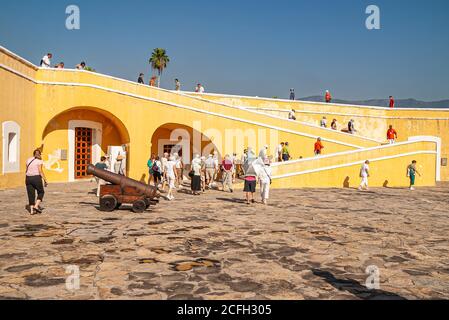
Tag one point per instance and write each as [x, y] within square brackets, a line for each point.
[411, 173]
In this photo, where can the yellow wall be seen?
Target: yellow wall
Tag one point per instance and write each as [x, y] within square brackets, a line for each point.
[17, 103]
[371, 122]
[391, 170]
[131, 114]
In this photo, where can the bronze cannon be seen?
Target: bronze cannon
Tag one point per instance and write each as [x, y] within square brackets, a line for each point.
[123, 190]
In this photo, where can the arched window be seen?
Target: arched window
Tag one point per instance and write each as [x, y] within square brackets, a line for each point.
[11, 147]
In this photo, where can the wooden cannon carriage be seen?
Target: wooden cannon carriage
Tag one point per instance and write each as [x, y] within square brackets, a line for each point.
[123, 190]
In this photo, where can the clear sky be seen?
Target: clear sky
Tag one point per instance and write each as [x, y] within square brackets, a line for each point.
[249, 47]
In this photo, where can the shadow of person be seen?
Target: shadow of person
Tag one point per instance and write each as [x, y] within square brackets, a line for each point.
[346, 183]
[234, 200]
[355, 288]
[143, 179]
[386, 184]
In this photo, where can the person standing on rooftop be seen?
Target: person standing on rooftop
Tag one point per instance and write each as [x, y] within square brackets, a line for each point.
[292, 94]
[141, 80]
[328, 97]
[81, 66]
[392, 102]
[46, 61]
[153, 81]
[199, 88]
[177, 85]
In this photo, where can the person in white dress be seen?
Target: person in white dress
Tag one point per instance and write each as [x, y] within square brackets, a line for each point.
[364, 174]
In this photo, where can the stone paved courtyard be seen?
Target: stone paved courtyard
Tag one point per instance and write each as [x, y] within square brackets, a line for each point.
[307, 244]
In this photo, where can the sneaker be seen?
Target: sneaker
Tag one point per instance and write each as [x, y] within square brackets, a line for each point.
[412, 189]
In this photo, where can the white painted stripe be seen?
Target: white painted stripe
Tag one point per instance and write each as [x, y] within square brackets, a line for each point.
[194, 109]
[183, 107]
[345, 153]
[289, 175]
[17, 57]
[313, 102]
[352, 115]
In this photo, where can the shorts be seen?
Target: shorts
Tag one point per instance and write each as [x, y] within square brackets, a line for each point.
[250, 186]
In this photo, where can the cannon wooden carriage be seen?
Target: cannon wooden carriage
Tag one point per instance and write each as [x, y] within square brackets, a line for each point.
[123, 190]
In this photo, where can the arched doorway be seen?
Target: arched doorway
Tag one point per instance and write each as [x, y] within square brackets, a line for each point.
[177, 138]
[78, 137]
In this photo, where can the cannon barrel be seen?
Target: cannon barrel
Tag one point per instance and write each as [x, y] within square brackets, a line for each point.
[122, 181]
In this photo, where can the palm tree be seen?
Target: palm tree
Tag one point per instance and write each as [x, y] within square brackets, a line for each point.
[159, 61]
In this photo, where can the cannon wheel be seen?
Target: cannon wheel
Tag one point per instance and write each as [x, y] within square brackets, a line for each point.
[139, 206]
[147, 202]
[108, 203]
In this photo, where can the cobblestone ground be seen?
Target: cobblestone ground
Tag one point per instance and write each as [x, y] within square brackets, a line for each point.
[307, 244]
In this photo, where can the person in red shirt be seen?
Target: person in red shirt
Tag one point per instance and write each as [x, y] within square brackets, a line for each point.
[391, 102]
[392, 135]
[328, 96]
[318, 147]
[228, 170]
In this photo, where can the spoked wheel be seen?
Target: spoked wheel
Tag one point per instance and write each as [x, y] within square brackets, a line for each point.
[139, 206]
[108, 203]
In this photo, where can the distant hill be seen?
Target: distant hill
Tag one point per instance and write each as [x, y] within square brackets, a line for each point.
[403, 103]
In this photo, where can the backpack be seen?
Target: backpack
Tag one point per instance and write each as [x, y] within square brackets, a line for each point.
[155, 167]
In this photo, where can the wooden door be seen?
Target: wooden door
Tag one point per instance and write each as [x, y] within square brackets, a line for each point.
[83, 152]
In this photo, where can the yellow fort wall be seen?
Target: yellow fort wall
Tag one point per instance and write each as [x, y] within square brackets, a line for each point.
[371, 122]
[43, 102]
[17, 103]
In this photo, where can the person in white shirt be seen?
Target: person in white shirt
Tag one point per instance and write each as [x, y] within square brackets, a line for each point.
[164, 161]
[210, 171]
[199, 88]
[171, 176]
[278, 152]
[265, 181]
[292, 115]
[323, 122]
[46, 61]
[264, 152]
[364, 174]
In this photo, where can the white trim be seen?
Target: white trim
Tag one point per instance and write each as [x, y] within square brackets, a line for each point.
[437, 140]
[201, 111]
[184, 144]
[19, 58]
[313, 102]
[289, 175]
[9, 127]
[187, 93]
[97, 138]
[212, 113]
[352, 115]
[418, 139]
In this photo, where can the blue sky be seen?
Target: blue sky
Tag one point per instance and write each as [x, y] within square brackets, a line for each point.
[249, 47]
